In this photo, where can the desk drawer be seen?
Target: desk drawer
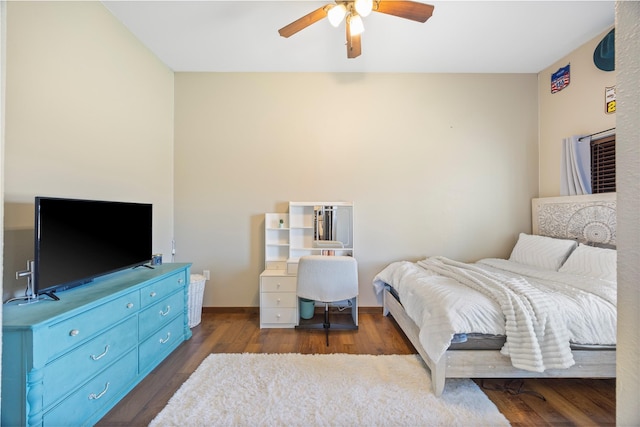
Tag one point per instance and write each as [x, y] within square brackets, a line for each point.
[71, 370]
[71, 332]
[278, 315]
[95, 395]
[278, 284]
[278, 299]
[160, 313]
[160, 289]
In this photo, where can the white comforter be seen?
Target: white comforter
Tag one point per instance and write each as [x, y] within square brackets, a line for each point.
[539, 311]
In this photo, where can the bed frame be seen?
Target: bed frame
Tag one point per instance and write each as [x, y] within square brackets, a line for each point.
[585, 218]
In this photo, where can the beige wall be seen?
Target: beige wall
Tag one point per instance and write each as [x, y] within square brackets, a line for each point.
[435, 164]
[578, 109]
[3, 42]
[628, 181]
[89, 114]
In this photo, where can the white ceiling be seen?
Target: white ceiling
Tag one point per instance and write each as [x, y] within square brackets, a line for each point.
[461, 36]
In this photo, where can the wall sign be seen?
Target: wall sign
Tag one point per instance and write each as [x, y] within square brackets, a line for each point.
[560, 79]
[610, 100]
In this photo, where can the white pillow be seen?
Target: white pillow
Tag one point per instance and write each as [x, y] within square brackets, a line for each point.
[541, 251]
[590, 261]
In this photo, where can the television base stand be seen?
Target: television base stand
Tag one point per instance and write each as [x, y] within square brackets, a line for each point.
[50, 295]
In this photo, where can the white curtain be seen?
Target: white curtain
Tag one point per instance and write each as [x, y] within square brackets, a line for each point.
[575, 175]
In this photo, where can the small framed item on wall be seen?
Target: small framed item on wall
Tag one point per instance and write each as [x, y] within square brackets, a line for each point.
[610, 100]
[561, 79]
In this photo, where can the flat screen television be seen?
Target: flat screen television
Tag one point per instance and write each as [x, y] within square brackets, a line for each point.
[79, 240]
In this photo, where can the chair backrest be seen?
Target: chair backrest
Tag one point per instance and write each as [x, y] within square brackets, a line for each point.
[327, 278]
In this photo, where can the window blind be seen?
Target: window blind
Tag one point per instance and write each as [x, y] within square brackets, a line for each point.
[603, 165]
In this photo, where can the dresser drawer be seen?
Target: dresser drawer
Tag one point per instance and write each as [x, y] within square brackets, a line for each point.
[160, 313]
[278, 299]
[160, 289]
[278, 284]
[66, 373]
[64, 335]
[160, 343]
[94, 395]
[278, 315]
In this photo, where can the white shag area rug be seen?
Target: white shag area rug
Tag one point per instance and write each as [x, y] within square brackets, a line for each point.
[323, 390]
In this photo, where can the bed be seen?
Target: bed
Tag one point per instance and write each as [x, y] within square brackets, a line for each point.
[547, 311]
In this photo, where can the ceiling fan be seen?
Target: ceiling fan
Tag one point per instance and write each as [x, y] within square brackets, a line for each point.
[352, 12]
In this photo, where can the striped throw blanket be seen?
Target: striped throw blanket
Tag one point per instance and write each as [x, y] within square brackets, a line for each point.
[537, 337]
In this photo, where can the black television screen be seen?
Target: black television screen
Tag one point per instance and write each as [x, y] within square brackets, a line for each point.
[78, 240]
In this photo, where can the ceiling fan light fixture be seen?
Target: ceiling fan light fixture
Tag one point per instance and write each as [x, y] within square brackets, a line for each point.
[355, 24]
[353, 11]
[364, 7]
[336, 14]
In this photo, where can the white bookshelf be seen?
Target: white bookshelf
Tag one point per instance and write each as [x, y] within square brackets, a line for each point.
[276, 241]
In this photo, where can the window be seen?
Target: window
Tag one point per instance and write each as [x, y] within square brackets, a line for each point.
[603, 165]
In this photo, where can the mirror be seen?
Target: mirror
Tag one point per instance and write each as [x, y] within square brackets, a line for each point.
[333, 226]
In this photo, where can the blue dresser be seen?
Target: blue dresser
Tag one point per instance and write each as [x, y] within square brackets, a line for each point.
[69, 362]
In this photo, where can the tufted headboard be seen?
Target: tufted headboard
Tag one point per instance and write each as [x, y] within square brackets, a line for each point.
[588, 219]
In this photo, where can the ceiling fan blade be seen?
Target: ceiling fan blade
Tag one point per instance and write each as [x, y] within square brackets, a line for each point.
[413, 10]
[354, 43]
[304, 22]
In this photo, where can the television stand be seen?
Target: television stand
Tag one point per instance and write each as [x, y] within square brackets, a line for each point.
[70, 362]
[51, 295]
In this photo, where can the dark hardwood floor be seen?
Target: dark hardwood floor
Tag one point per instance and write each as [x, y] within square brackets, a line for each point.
[568, 402]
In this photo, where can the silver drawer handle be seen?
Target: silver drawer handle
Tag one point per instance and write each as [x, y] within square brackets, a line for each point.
[94, 396]
[152, 294]
[73, 332]
[130, 305]
[100, 356]
[164, 313]
[180, 281]
[164, 341]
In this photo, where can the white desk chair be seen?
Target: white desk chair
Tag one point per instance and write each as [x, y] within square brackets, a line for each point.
[327, 279]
